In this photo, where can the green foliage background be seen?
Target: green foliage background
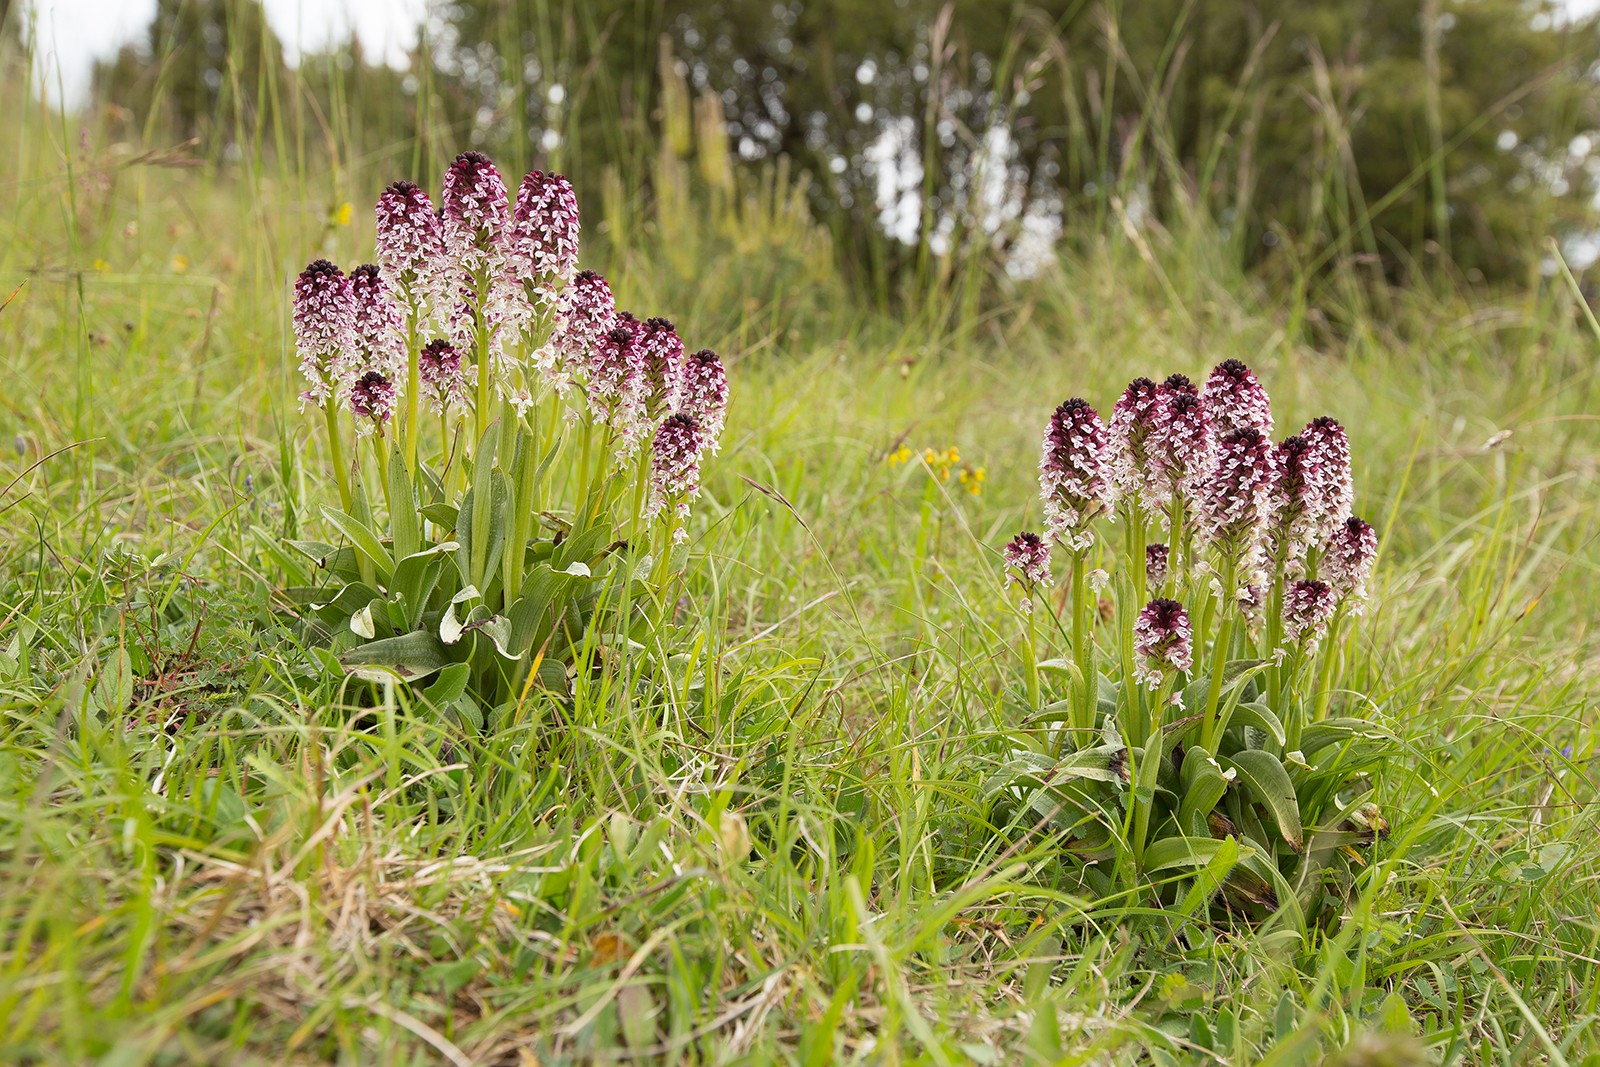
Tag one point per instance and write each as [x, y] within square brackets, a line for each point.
[1398, 134]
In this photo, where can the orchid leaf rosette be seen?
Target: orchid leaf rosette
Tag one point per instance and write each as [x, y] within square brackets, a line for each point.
[517, 460]
[1191, 735]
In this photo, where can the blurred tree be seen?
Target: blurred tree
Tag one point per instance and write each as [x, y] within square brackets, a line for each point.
[1450, 121]
[1311, 133]
[204, 71]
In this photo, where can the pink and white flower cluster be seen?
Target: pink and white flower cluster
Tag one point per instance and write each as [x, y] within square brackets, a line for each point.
[1201, 463]
[488, 286]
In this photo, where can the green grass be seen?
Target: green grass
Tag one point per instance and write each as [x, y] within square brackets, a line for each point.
[204, 860]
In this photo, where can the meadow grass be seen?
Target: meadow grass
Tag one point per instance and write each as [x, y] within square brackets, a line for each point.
[209, 855]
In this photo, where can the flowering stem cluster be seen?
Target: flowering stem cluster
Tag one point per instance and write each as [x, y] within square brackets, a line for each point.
[1234, 550]
[495, 392]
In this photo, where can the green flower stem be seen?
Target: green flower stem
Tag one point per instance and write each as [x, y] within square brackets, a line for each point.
[1274, 638]
[1176, 547]
[523, 466]
[1294, 719]
[413, 394]
[1330, 651]
[1030, 653]
[379, 457]
[1134, 726]
[1228, 608]
[336, 452]
[481, 356]
[1082, 644]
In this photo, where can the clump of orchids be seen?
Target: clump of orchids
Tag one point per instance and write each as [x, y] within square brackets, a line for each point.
[526, 438]
[1205, 686]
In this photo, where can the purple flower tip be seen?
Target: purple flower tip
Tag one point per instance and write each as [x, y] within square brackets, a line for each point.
[675, 464]
[1235, 399]
[1347, 561]
[1162, 642]
[702, 391]
[1074, 473]
[1307, 609]
[1157, 561]
[1027, 558]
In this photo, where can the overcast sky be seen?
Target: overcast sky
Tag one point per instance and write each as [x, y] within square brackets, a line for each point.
[73, 33]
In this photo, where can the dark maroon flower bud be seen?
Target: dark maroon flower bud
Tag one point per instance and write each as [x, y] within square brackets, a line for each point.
[1157, 560]
[703, 392]
[443, 378]
[1235, 502]
[1074, 473]
[1307, 609]
[542, 246]
[1235, 400]
[1295, 511]
[1179, 383]
[1134, 421]
[675, 465]
[1027, 559]
[1162, 642]
[372, 400]
[324, 313]
[1347, 561]
[1335, 489]
[410, 243]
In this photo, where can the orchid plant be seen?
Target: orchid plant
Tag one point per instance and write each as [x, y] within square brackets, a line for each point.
[515, 456]
[1191, 748]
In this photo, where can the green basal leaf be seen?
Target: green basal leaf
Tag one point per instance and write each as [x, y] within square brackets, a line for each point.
[1265, 777]
[406, 658]
[365, 541]
[1204, 783]
[449, 685]
[1176, 853]
[1257, 715]
[404, 528]
[415, 578]
[441, 515]
[1319, 735]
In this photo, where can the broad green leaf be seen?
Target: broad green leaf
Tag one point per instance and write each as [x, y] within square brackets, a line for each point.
[441, 515]
[408, 657]
[1204, 782]
[449, 686]
[415, 578]
[1255, 713]
[404, 528]
[1319, 735]
[364, 540]
[1172, 853]
[1264, 776]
